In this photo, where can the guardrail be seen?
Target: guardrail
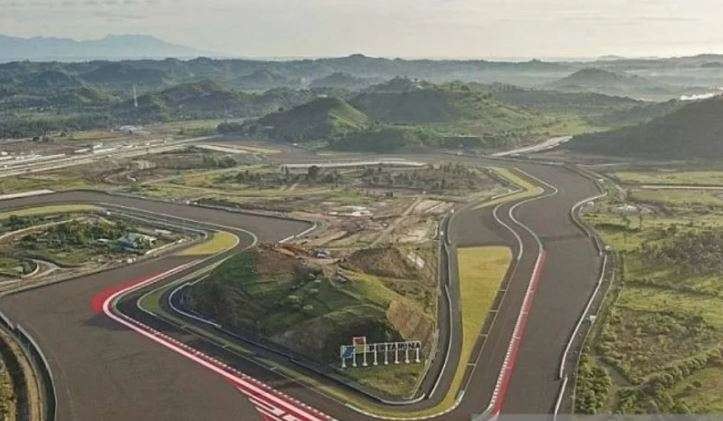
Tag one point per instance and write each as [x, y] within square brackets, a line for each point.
[599, 246]
[48, 383]
[38, 361]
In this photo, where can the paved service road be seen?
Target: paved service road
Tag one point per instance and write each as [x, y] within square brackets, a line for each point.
[104, 370]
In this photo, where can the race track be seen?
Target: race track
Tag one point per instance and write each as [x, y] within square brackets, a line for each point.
[105, 370]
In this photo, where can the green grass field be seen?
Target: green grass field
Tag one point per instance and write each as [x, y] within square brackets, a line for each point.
[12, 267]
[46, 210]
[686, 197]
[658, 346]
[21, 184]
[481, 271]
[677, 177]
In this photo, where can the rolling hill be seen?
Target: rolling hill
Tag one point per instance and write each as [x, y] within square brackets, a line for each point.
[341, 80]
[403, 101]
[205, 99]
[261, 80]
[695, 130]
[120, 74]
[609, 83]
[582, 103]
[321, 118]
[208, 99]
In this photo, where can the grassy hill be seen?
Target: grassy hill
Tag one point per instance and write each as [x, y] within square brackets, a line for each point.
[208, 99]
[302, 309]
[643, 112]
[261, 80]
[321, 118]
[51, 79]
[409, 102]
[693, 131]
[191, 100]
[341, 80]
[609, 83]
[385, 139]
[545, 100]
[122, 75]
[405, 114]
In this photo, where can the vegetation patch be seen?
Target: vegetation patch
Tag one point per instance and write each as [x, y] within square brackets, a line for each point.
[44, 210]
[687, 197]
[298, 303]
[687, 178]
[658, 347]
[75, 239]
[7, 393]
[689, 132]
[312, 309]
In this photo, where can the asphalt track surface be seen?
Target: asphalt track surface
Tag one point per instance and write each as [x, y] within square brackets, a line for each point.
[103, 370]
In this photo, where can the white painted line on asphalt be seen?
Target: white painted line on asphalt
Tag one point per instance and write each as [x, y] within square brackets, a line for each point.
[560, 394]
[449, 342]
[498, 395]
[185, 313]
[180, 218]
[299, 235]
[248, 385]
[590, 301]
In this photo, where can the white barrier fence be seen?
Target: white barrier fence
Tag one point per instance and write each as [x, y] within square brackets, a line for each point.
[381, 353]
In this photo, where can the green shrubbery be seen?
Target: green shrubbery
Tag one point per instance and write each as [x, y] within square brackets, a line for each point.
[593, 384]
[691, 252]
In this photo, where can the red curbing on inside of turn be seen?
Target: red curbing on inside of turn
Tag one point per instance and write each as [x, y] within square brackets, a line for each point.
[96, 303]
[503, 380]
[270, 403]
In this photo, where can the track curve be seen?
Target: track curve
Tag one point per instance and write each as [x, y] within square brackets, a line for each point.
[108, 372]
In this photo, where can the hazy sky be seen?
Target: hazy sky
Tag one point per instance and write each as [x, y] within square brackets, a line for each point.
[393, 28]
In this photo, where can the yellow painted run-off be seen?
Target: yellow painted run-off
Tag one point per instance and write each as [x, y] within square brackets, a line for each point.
[217, 242]
[525, 188]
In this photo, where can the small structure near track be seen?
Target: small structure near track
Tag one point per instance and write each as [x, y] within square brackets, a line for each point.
[406, 352]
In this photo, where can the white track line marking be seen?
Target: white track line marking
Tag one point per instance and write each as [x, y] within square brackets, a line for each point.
[249, 386]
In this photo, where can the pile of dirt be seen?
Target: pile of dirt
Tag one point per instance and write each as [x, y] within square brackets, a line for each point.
[272, 262]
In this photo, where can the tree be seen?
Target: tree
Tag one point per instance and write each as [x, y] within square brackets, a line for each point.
[313, 172]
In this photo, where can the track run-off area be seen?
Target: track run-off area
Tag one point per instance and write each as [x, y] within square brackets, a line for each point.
[109, 360]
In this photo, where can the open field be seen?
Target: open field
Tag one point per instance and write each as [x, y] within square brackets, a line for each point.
[45, 181]
[673, 177]
[687, 197]
[45, 210]
[658, 346]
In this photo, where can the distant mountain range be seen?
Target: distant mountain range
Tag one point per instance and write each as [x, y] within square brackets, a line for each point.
[112, 47]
